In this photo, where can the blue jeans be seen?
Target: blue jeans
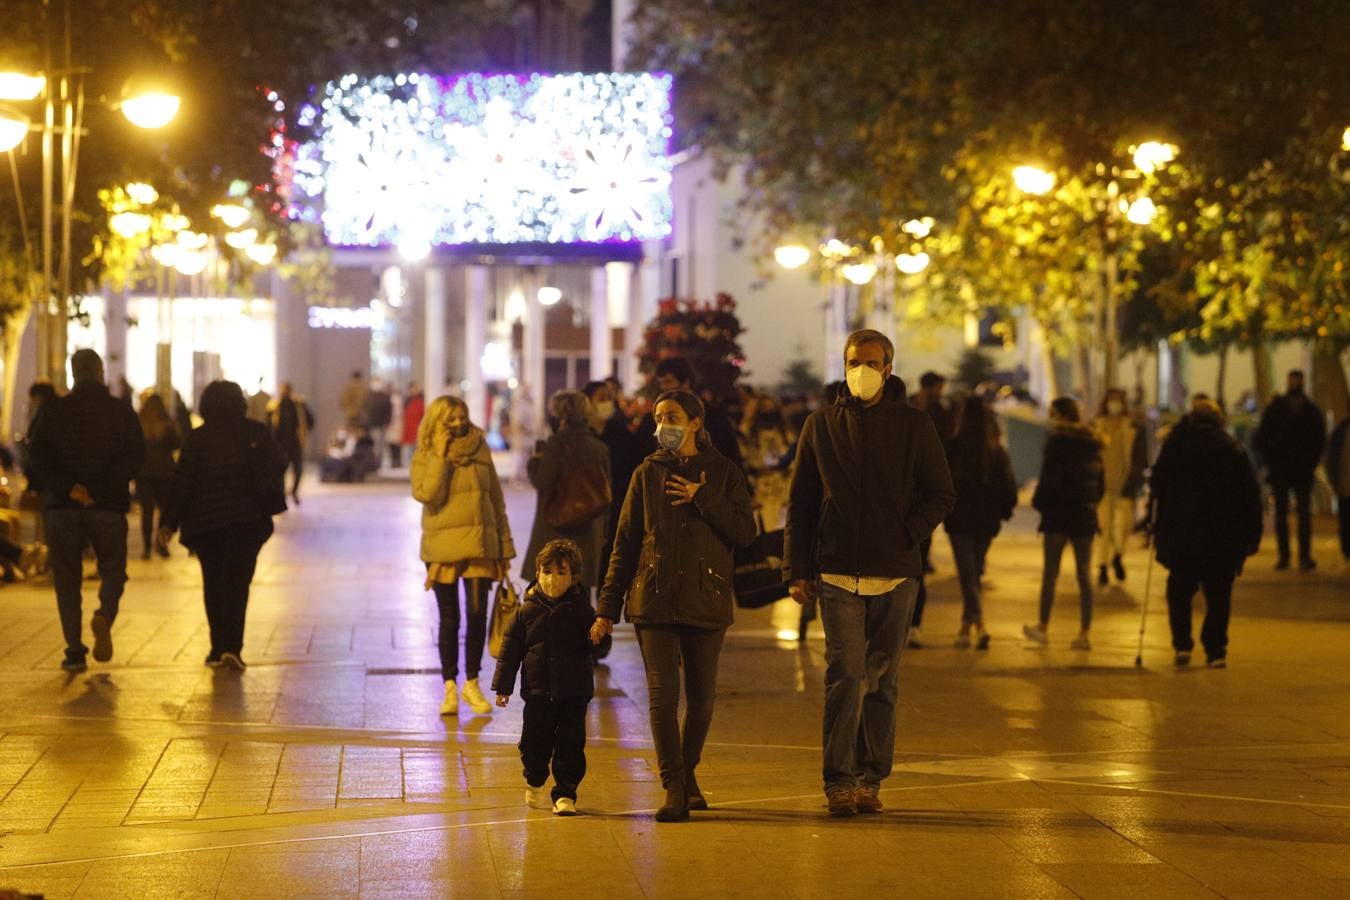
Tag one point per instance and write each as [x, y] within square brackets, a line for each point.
[863, 638]
[68, 530]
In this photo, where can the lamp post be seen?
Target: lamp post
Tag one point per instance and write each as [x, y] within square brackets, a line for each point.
[145, 103]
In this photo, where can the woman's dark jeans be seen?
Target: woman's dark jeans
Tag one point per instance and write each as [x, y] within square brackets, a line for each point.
[229, 557]
[150, 495]
[664, 649]
[475, 629]
[969, 552]
[1082, 554]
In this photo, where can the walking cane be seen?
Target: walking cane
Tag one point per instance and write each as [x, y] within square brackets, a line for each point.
[1148, 584]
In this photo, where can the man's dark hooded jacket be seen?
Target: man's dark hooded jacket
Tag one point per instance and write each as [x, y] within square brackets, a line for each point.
[1209, 504]
[87, 437]
[869, 485]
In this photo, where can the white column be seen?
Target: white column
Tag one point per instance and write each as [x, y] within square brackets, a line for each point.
[475, 339]
[433, 333]
[645, 289]
[836, 327]
[532, 378]
[115, 329]
[602, 341]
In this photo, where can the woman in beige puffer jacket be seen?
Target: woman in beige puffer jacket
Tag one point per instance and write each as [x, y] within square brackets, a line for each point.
[465, 536]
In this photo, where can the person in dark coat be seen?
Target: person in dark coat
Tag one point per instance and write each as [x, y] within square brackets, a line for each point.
[670, 574]
[1338, 473]
[1289, 443]
[152, 482]
[549, 643]
[87, 447]
[226, 489]
[1208, 521]
[870, 485]
[1070, 487]
[569, 449]
[986, 495]
[291, 421]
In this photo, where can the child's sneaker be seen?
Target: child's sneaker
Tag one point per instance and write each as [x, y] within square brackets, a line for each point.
[564, 806]
[536, 798]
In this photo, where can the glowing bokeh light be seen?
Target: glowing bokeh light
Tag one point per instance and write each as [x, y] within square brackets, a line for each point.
[548, 296]
[152, 110]
[13, 128]
[1031, 180]
[912, 263]
[860, 273]
[1151, 156]
[792, 256]
[20, 86]
[494, 159]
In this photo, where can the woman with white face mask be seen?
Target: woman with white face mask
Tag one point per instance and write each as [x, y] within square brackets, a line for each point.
[670, 573]
[1124, 457]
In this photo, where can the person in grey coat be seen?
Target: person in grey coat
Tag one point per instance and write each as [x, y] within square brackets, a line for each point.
[571, 447]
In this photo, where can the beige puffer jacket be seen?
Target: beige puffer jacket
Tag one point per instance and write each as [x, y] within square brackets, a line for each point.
[463, 511]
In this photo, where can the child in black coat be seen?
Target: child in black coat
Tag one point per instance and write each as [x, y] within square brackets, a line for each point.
[550, 644]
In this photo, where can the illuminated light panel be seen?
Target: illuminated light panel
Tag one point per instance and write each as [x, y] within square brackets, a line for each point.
[413, 160]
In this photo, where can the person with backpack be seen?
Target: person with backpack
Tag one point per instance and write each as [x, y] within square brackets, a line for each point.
[986, 494]
[465, 537]
[569, 467]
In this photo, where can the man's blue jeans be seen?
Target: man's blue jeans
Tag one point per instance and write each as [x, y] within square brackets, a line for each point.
[68, 530]
[863, 638]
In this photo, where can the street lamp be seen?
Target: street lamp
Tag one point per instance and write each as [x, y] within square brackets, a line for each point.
[1151, 156]
[146, 103]
[912, 263]
[859, 273]
[1033, 180]
[792, 256]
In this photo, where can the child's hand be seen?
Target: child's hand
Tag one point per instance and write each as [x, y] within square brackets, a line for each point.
[503, 699]
[601, 628]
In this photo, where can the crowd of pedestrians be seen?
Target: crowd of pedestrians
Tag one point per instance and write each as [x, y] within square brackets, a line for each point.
[642, 508]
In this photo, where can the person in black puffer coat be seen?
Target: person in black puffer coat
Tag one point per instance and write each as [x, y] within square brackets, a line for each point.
[1071, 485]
[670, 572]
[225, 490]
[986, 494]
[550, 644]
[1208, 522]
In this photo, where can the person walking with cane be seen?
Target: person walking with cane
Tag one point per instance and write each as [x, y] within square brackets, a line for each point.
[1208, 523]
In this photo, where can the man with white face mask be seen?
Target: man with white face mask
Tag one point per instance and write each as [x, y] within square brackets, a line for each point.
[869, 485]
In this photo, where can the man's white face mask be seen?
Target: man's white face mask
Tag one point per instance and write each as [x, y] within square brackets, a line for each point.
[864, 382]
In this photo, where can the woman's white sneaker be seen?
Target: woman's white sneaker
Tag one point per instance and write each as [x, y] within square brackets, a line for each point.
[536, 797]
[564, 806]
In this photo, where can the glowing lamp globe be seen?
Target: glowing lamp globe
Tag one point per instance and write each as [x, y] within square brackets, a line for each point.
[860, 273]
[792, 256]
[1142, 211]
[242, 240]
[1345, 139]
[548, 296]
[20, 86]
[232, 214]
[262, 254]
[13, 128]
[911, 263]
[148, 104]
[129, 224]
[1151, 156]
[1031, 180]
[191, 262]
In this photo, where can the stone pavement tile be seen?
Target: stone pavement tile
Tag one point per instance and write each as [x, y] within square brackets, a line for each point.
[1046, 837]
[54, 882]
[180, 875]
[294, 869]
[176, 787]
[1127, 881]
[370, 773]
[243, 780]
[307, 778]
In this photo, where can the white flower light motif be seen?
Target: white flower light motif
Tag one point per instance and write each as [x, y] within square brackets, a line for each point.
[494, 159]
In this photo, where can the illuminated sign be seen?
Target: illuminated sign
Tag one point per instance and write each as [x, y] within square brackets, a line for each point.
[416, 160]
[342, 317]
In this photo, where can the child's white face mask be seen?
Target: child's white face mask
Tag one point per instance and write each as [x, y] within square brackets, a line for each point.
[554, 586]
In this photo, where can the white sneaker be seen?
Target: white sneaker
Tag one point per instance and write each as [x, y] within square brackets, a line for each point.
[450, 705]
[564, 806]
[962, 641]
[473, 695]
[915, 641]
[1081, 642]
[536, 797]
[1035, 633]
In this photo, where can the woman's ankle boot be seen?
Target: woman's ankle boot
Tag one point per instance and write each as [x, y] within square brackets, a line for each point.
[676, 807]
[694, 798]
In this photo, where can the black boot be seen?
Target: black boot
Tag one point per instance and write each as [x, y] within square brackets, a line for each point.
[694, 798]
[1101, 576]
[1118, 567]
[676, 807]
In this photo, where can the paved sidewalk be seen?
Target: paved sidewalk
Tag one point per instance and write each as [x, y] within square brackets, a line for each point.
[325, 771]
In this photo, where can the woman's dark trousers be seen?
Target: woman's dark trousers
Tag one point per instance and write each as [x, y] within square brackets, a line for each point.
[475, 629]
[665, 649]
[150, 494]
[229, 557]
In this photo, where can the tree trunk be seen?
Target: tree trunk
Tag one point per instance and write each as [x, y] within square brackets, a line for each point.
[15, 324]
[1220, 391]
[1329, 388]
[1051, 375]
[1261, 368]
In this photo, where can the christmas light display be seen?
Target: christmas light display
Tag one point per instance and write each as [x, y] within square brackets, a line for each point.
[416, 160]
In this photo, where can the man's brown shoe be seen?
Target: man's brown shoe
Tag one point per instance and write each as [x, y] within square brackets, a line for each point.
[102, 629]
[841, 801]
[867, 798]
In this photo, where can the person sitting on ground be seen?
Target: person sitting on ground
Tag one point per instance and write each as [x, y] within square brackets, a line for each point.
[549, 643]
